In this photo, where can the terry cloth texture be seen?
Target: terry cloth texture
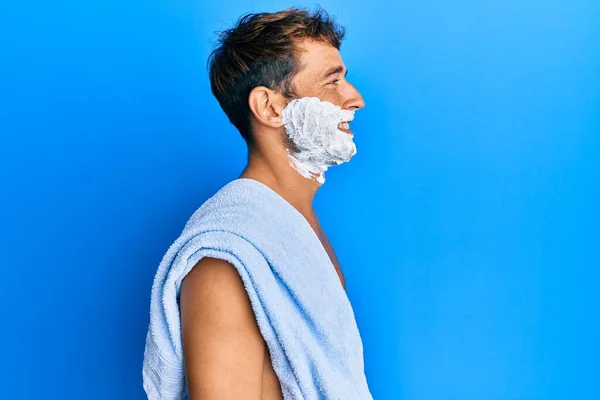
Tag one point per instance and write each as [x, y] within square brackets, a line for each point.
[301, 308]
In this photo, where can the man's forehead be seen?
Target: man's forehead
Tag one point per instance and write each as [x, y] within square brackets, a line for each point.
[320, 60]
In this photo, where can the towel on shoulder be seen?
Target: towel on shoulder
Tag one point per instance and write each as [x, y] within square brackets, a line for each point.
[302, 311]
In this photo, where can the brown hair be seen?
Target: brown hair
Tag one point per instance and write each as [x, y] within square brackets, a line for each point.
[260, 51]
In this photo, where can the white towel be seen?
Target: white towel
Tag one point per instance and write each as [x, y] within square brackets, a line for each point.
[300, 305]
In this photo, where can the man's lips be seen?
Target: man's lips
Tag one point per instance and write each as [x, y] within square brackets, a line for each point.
[345, 127]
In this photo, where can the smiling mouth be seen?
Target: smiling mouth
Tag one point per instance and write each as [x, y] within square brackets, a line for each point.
[345, 127]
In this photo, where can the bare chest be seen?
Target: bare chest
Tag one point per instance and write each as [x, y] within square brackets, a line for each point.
[329, 249]
[271, 388]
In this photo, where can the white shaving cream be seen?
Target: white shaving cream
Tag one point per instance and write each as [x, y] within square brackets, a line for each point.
[316, 142]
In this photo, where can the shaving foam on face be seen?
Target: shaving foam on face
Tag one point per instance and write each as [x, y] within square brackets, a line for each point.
[312, 128]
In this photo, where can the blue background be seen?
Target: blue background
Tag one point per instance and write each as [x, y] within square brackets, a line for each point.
[467, 224]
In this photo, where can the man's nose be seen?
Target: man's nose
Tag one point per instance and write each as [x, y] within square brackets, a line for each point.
[354, 101]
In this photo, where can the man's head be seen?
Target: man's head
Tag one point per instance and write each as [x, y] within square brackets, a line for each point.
[268, 59]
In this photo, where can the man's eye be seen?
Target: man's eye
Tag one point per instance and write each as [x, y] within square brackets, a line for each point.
[334, 81]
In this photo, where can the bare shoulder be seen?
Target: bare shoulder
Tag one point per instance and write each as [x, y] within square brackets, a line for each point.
[223, 348]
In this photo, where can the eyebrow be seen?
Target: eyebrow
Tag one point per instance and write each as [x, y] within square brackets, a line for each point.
[333, 71]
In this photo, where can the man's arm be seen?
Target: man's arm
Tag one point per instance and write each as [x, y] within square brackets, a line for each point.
[222, 344]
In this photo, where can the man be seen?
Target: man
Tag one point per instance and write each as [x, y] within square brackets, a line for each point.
[265, 61]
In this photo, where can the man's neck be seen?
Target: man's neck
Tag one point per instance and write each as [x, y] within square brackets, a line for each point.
[274, 170]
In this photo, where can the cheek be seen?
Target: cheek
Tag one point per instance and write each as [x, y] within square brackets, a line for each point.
[330, 93]
[335, 96]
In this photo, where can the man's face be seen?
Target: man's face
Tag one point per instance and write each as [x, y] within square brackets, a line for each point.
[324, 76]
[316, 123]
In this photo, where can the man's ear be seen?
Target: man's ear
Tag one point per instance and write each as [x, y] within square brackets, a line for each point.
[266, 106]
